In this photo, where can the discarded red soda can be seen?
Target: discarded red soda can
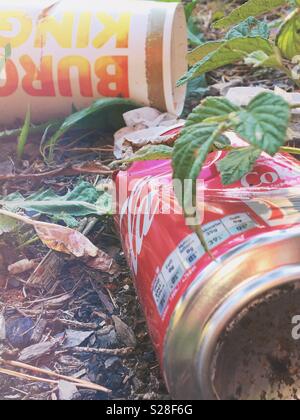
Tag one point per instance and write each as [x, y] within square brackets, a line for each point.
[223, 327]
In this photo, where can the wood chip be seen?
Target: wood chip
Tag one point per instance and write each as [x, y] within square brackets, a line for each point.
[34, 352]
[124, 332]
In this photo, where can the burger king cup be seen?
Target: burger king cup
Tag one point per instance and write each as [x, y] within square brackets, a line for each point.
[67, 54]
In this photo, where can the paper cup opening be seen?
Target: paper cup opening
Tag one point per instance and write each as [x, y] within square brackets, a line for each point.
[175, 63]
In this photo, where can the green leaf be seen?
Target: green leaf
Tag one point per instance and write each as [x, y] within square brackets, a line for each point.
[211, 110]
[230, 52]
[237, 163]
[288, 38]
[105, 114]
[250, 8]
[203, 50]
[23, 137]
[261, 59]
[264, 122]
[250, 27]
[190, 153]
[195, 37]
[189, 8]
[80, 202]
[150, 152]
[203, 129]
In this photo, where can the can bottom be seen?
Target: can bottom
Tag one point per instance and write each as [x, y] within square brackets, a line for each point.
[258, 356]
[233, 333]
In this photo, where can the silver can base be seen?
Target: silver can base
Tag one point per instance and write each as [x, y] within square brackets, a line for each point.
[232, 334]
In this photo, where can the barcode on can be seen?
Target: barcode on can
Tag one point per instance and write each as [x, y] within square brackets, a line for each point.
[190, 251]
[161, 293]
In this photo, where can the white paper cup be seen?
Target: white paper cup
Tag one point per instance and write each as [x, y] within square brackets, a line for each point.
[67, 54]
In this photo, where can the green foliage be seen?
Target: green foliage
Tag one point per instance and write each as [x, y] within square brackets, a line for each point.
[105, 114]
[249, 41]
[250, 8]
[237, 163]
[258, 124]
[229, 52]
[83, 200]
[288, 38]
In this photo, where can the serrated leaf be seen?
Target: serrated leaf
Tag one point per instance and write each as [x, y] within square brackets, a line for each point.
[212, 109]
[150, 152]
[264, 122]
[197, 140]
[80, 202]
[288, 38]
[202, 51]
[190, 153]
[251, 27]
[250, 8]
[230, 52]
[237, 163]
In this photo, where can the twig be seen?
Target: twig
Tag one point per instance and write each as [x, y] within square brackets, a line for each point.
[110, 352]
[78, 382]
[27, 377]
[76, 324]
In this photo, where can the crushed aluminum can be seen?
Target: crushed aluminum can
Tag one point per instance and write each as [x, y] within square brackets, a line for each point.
[223, 327]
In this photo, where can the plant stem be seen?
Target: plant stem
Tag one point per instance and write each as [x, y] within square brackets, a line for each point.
[291, 150]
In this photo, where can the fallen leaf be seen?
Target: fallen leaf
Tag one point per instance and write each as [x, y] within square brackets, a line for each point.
[103, 262]
[68, 241]
[65, 240]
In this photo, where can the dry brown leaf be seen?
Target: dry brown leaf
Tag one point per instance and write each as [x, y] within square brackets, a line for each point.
[103, 262]
[66, 240]
[69, 241]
